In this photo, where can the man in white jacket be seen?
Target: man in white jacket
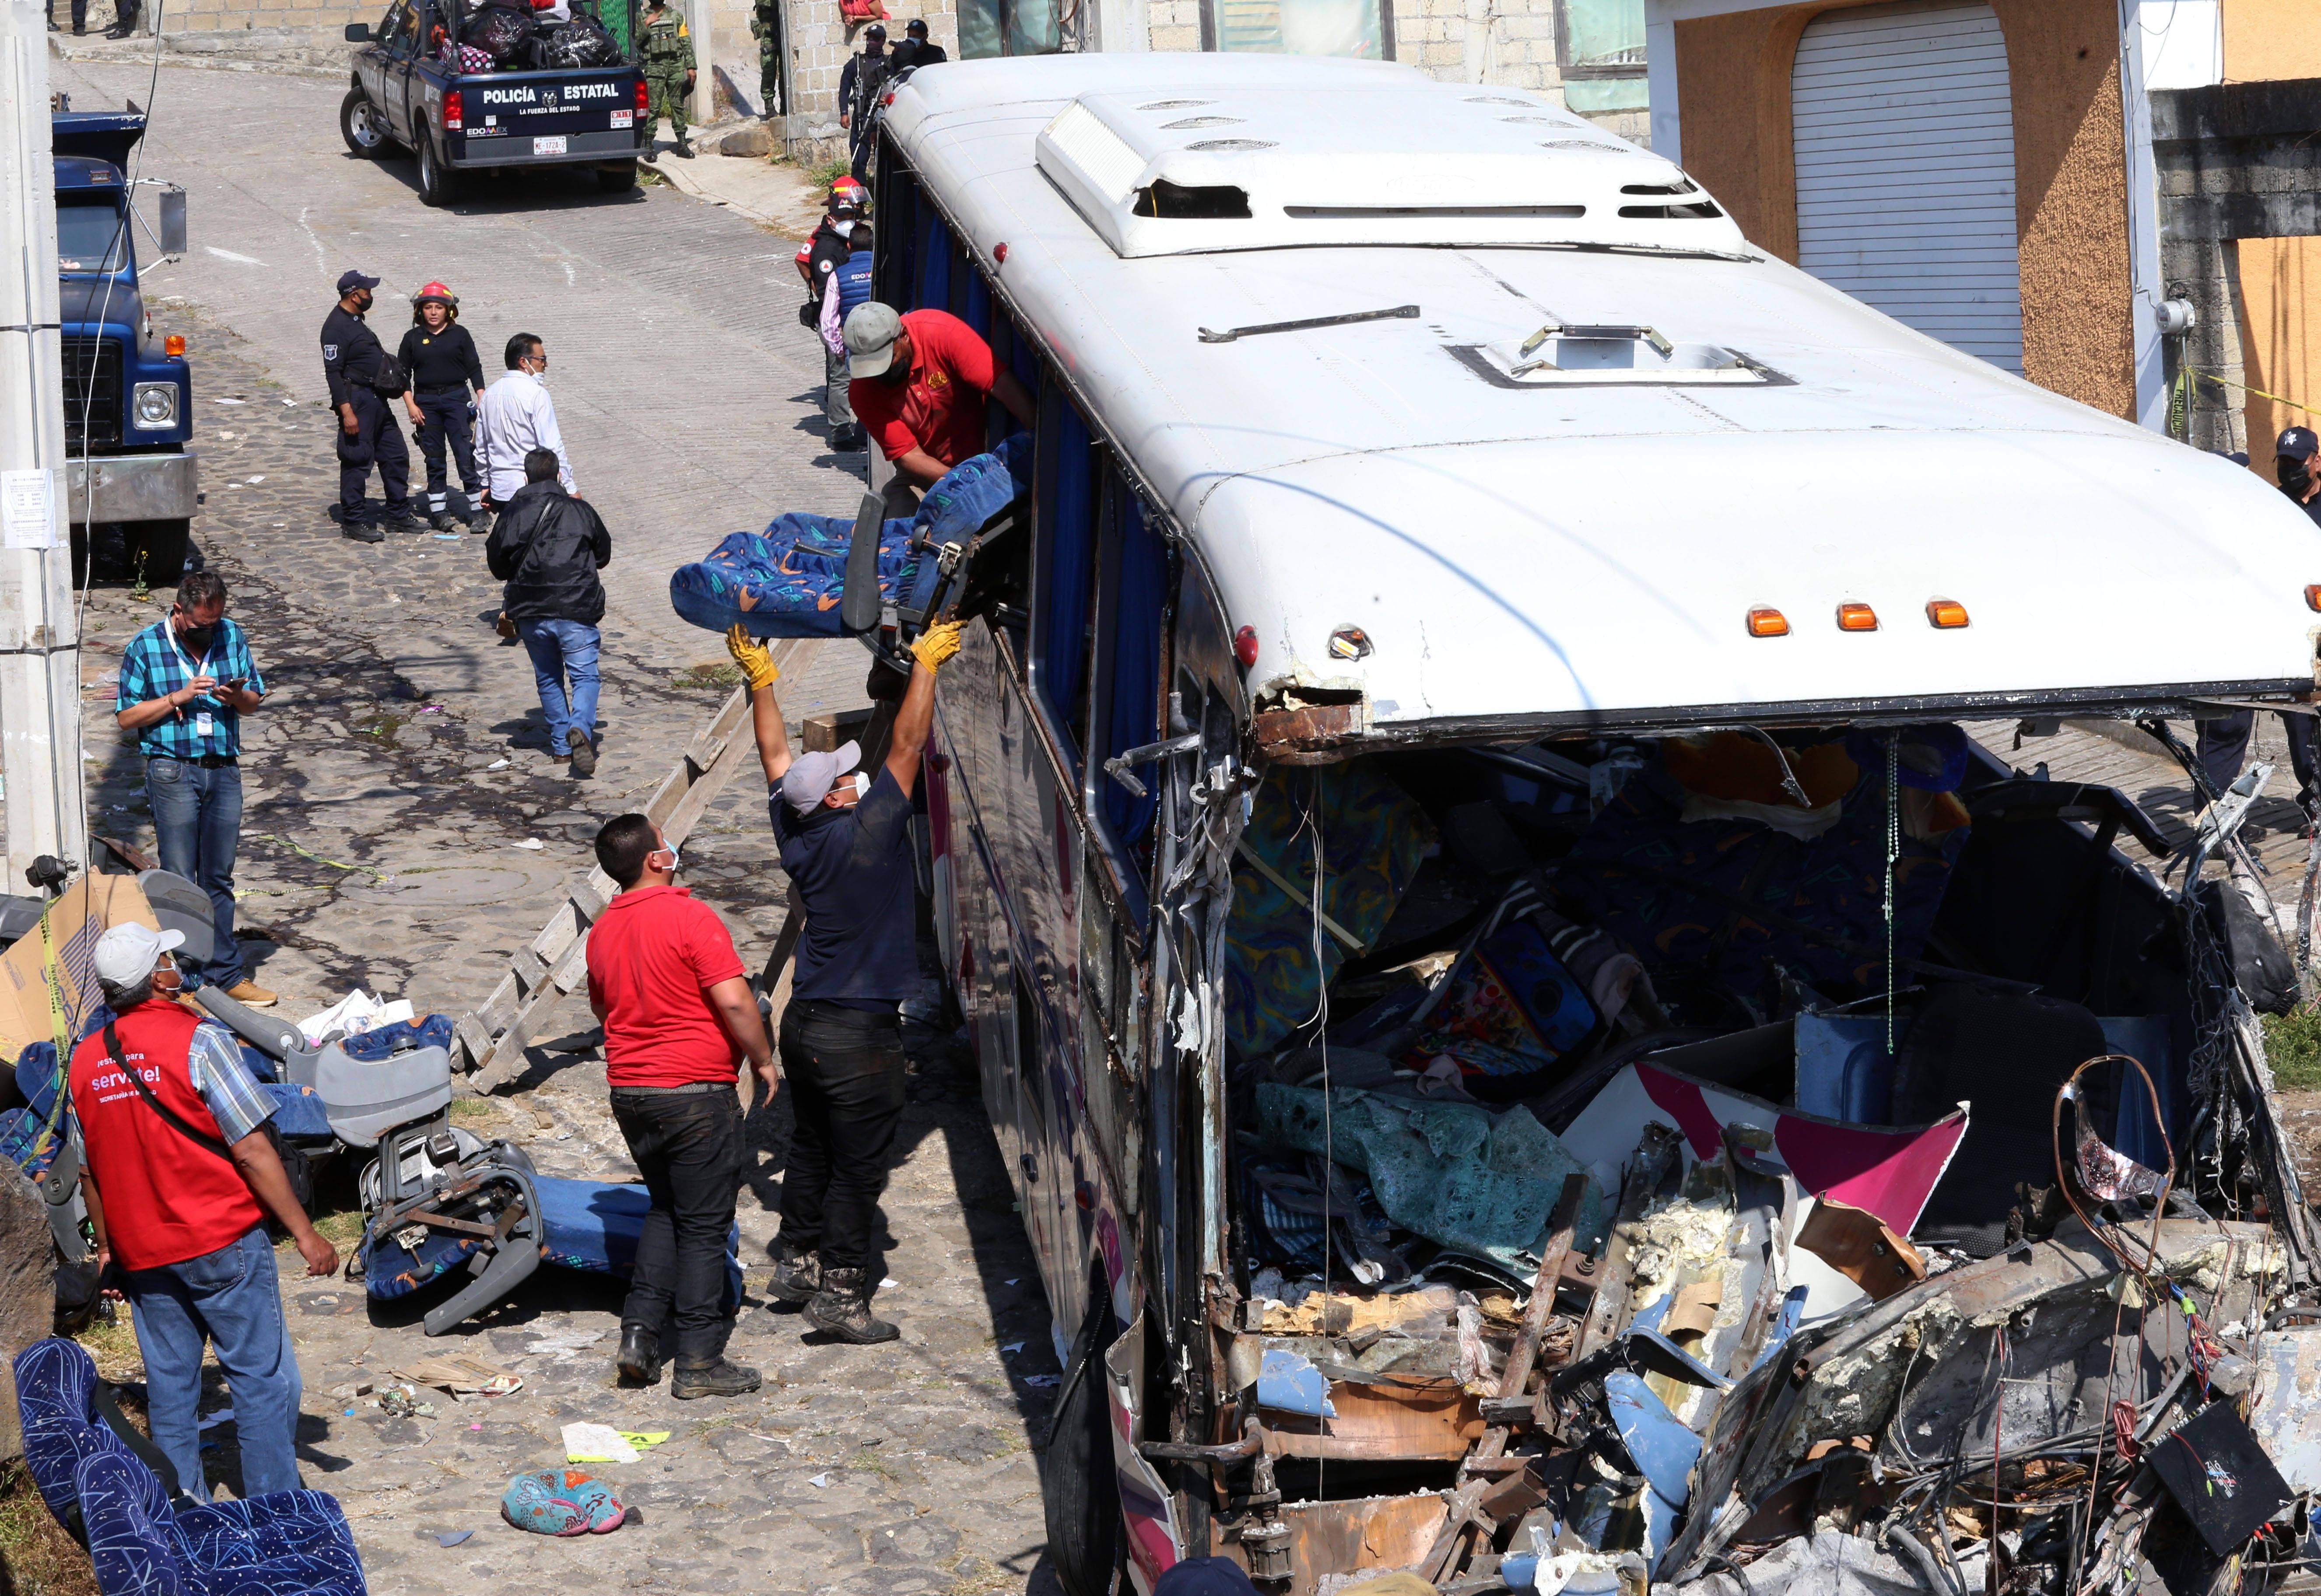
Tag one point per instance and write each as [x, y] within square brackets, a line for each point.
[514, 417]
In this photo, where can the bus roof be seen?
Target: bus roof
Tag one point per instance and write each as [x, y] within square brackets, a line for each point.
[1552, 493]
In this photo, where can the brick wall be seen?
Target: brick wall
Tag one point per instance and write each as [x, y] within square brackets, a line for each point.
[819, 45]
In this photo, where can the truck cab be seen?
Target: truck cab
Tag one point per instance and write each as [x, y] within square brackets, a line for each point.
[127, 391]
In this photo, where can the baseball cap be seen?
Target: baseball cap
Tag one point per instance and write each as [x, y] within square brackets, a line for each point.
[916, 27]
[811, 776]
[2299, 443]
[875, 30]
[350, 280]
[870, 333]
[128, 953]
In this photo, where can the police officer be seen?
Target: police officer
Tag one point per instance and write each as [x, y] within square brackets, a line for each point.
[858, 95]
[354, 364]
[2223, 743]
[916, 50]
[667, 55]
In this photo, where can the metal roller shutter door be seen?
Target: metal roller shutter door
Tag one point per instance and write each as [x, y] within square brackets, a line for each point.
[1905, 147]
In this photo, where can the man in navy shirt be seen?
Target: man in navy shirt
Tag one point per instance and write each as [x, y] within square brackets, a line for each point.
[846, 846]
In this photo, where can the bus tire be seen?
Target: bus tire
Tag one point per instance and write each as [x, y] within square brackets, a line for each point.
[1079, 1489]
[157, 551]
[617, 179]
[361, 126]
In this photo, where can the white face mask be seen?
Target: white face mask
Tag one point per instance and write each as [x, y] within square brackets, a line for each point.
[862, 785]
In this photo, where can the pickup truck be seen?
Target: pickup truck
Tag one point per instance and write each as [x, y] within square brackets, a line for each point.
[129, 393]
[453, 122]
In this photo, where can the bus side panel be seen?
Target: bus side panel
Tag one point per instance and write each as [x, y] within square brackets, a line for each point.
[1039, 853]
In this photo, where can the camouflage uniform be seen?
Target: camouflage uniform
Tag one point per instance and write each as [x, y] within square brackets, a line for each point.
[766, 28]
[668, 55]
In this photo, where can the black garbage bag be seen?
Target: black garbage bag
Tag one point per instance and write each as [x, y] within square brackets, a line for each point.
[584, 41]
[500, 32]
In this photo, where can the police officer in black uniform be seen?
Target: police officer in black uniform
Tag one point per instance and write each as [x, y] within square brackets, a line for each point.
[864, 74]
[916, 50]
[355, 365]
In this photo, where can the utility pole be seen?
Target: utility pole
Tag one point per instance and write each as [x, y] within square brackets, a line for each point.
[39, 636]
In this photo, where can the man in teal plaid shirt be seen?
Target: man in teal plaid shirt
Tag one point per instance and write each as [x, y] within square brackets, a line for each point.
[186, 684]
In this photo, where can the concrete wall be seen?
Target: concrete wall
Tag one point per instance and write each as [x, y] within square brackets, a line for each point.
[2280, 338]
[1732, 86]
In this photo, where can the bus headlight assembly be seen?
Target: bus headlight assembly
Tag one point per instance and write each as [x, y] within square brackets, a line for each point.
[156, 405]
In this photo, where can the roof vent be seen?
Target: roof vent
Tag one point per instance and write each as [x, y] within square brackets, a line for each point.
[1173, 104]
[1536, 122]
[1562, 356]
[1219, 145]
[1202, 122]
[1501, 100]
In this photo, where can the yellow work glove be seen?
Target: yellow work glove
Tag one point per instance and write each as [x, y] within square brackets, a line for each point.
[756, 660]
[937, 644]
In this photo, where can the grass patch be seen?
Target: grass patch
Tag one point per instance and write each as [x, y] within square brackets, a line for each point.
[823, 174]
[473, 1110]
[709, 678]
[2292, 1044]
[39, 1558]
[114, 1346]
[870, 1463]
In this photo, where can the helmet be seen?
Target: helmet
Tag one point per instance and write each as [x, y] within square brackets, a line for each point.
[437, 292]
[843, 188]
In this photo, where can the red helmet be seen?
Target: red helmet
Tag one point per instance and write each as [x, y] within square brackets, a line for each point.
[436, 291]
[846, 185]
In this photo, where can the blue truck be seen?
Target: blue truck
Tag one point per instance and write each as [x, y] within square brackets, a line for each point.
[131, 479]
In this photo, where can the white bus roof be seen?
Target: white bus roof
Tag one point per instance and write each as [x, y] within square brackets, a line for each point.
[1573, 535]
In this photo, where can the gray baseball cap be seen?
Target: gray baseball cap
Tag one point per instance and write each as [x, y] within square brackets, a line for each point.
[870, 333]
[811, 776]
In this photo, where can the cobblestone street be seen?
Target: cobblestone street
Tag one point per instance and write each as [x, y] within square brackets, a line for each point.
[406, 829]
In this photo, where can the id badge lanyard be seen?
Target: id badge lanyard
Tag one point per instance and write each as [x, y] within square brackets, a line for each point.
[204, 721]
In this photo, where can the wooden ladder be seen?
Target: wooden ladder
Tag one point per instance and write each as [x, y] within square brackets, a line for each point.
[489, 1041]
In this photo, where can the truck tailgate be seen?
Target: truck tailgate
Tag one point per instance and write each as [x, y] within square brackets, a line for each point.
[544, 115]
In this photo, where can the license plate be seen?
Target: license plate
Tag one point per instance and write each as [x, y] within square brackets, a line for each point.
[624, 119]
[554, 145]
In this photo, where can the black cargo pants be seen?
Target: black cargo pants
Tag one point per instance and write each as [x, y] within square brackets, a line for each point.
[843, 1068]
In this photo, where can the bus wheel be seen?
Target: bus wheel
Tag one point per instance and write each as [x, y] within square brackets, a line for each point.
[1078, 1488]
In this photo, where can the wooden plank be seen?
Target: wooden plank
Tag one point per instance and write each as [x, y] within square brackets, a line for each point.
[490, 1039]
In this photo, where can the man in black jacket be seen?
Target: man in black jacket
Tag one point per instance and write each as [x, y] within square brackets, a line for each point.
[354, 364]
[548, 547]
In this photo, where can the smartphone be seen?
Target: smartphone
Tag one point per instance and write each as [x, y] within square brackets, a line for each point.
[235, 684]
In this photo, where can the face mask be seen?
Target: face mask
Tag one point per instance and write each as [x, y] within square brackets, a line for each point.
[676, 860]
[861, 786]
[198, 638]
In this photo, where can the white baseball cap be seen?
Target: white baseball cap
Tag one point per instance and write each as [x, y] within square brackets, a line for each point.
[810, 776]
[127, 954]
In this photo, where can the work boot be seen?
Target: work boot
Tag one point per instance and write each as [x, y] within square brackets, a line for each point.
[797, 1275]
[362, 532]
[842, 1308]
[442, 521]
[399, 519]
[848, 440]
[684, 150]
[707, 1380]
[246, 991]
[583, 752]
[640, 1358]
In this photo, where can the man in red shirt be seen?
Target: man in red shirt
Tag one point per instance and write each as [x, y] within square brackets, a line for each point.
[679, 1016]
[179, 1176]
[919, 387]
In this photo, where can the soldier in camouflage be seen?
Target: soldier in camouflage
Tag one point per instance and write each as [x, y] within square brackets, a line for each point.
[667, 52]
[766, 28]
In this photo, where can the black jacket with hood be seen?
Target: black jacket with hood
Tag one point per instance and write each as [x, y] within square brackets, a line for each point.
[548, 547]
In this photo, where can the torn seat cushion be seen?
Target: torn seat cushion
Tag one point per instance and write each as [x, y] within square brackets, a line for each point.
[786, 580]
[2006, 1053]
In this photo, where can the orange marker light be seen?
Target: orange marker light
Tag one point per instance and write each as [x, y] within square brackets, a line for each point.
[1946, 614]
[1856, 618]
[174, 345]
[1767, 623]
[2313, 595]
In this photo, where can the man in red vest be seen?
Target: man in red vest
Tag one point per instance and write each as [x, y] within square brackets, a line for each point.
[179, 1176]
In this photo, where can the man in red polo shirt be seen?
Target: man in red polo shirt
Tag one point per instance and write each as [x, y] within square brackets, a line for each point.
[179, 1176]
[919, 387]
[679, 1016]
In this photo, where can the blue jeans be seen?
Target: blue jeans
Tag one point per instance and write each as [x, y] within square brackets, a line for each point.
[232, 1297]
[562, 649]
[197, 825]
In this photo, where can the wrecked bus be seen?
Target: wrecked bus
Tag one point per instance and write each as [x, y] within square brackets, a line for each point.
[1534, 1047]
